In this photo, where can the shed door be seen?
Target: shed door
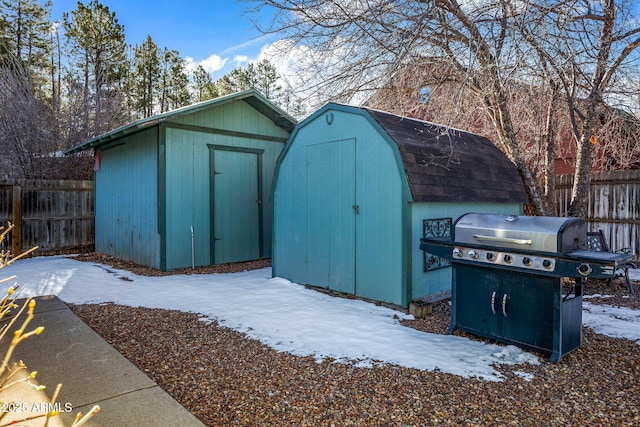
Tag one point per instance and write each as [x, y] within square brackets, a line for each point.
[236, 204]
[331, 231]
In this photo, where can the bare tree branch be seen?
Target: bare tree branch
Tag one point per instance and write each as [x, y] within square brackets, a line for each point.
[568, 53]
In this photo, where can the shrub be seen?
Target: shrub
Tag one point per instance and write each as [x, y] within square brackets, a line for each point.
[10, 377]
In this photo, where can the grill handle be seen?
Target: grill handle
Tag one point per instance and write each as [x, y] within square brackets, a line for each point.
[502, 239]
[504, 305]
[493, 302]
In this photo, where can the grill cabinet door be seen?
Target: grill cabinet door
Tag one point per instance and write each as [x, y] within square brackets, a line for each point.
[511, 307]
[473, 299]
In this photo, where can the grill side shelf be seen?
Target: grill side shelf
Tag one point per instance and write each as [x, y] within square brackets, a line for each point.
[438, 246]
[602, 257]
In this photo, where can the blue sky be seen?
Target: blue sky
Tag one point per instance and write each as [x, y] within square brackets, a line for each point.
[215, 32]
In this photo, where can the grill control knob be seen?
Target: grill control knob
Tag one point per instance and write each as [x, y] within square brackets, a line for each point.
[584, 269]
[527, 261]
[473, 254]
[547, 263]
[457, 252]
[508, 259]
[491, 256]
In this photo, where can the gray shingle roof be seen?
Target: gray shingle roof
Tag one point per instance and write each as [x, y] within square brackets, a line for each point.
[449, 165]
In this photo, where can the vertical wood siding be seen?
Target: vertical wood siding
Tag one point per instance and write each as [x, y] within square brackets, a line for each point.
[614, 207]
[127, 201]
[188, 141]
[338, 204]
[57, 216]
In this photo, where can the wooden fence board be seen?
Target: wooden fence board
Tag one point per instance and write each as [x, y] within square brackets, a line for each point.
[57, 216]
[613, 207]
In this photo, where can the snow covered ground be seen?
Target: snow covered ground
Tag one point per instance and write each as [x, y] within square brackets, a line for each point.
[288, 317]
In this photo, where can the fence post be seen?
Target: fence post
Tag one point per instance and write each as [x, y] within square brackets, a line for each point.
[16, 233]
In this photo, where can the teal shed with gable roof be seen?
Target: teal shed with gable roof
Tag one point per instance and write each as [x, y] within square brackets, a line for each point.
[190, 186]
[355, 189]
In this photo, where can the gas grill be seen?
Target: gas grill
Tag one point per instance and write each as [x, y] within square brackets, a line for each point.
[507, 278]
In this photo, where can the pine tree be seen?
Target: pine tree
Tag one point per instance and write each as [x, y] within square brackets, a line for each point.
[174, 87]
[261, 76]
[25, 32]
[97, 42]
[203, 86]
[265, 79]
[146, 66]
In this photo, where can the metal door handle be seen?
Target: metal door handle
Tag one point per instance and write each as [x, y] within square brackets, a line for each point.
[504, 305]
[493, 302]
[356, 209]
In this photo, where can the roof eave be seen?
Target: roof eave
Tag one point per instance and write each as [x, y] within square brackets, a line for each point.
[261, 104]
[108, 137]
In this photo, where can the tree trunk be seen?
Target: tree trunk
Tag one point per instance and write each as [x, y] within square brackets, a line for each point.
[85, 96]
[582, 177]
[549, 141]
[499, 112]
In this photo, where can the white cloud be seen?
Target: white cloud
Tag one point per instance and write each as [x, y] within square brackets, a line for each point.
[211, 64]
[189, 64]
[245, 45]
[300, 69]
[240, 59]
[285, 56]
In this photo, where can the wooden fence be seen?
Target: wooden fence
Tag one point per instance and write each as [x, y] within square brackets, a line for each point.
[57, 216]
[614, 206]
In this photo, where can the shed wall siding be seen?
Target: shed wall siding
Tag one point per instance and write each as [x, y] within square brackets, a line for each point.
[187, 199]
[312, 220]
[127, 201]
[236, 116]
[436, 281]
[188, 178]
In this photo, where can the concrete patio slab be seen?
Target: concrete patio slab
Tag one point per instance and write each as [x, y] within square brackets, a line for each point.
[91, 373]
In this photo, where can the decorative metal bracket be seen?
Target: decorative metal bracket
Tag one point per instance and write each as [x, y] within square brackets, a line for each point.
[439, 227]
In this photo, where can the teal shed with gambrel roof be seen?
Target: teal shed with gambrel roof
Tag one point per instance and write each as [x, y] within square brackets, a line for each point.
[355, 190]
[190, 186]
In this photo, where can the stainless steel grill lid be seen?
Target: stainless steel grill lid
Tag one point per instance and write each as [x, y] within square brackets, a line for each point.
[526, 233]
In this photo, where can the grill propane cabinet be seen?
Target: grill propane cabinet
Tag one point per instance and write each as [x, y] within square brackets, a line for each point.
[507, 278]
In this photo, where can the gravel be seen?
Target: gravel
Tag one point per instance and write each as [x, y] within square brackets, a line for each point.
[227, 379]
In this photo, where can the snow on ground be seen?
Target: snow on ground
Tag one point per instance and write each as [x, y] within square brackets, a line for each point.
[619, 322]
[634, 274]
[288, 317]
